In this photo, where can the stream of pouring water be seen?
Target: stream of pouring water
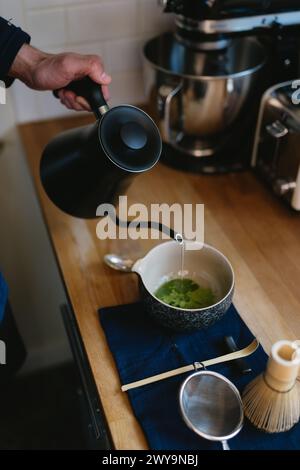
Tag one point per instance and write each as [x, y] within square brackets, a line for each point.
[180, 240]
[182, 259]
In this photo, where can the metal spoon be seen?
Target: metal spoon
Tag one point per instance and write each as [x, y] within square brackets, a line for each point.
[211, 406]
[121, 262]
[118, 262]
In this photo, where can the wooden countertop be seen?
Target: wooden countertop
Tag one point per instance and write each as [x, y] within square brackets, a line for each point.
[245, 221]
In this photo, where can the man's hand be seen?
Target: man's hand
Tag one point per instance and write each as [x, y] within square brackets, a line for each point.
[42, 71]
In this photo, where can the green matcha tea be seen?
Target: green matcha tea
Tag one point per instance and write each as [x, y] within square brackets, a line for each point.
[185, 293]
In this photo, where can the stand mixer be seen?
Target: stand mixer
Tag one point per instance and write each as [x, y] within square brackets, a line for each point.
[205, 80]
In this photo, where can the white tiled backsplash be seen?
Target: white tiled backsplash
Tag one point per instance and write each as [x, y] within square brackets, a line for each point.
[114, 29]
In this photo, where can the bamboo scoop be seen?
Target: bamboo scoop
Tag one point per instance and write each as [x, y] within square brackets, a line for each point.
[250, 349]
[272, 400]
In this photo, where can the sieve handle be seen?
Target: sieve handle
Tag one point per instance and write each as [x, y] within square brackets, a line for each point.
[225, 445]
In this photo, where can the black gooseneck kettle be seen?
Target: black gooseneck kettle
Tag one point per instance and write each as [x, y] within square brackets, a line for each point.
[84, 167]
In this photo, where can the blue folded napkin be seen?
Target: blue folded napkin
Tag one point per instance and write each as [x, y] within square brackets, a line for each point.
[3, 296]
[142, 348]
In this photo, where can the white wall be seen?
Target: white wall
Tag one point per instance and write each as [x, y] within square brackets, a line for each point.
[26, 258]
[114, 29]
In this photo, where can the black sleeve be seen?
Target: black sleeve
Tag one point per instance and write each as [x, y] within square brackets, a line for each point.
[11, 40]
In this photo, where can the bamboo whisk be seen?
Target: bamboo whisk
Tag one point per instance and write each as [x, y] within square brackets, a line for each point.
[272, 400]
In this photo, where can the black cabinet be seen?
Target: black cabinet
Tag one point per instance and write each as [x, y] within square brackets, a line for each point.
[93, 418]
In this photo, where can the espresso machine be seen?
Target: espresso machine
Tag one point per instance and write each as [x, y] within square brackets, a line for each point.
[205, 79]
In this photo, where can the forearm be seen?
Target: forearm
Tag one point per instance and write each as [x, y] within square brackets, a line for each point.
[26, 61]
[11, 41]
[42, 71]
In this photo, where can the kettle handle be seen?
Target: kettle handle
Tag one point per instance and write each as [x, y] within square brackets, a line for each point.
[91, 91]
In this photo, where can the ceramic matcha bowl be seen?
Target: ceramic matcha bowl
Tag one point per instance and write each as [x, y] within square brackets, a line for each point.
[207, 266]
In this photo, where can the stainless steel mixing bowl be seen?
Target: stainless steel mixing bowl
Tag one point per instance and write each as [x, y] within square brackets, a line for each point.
[197, 95]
